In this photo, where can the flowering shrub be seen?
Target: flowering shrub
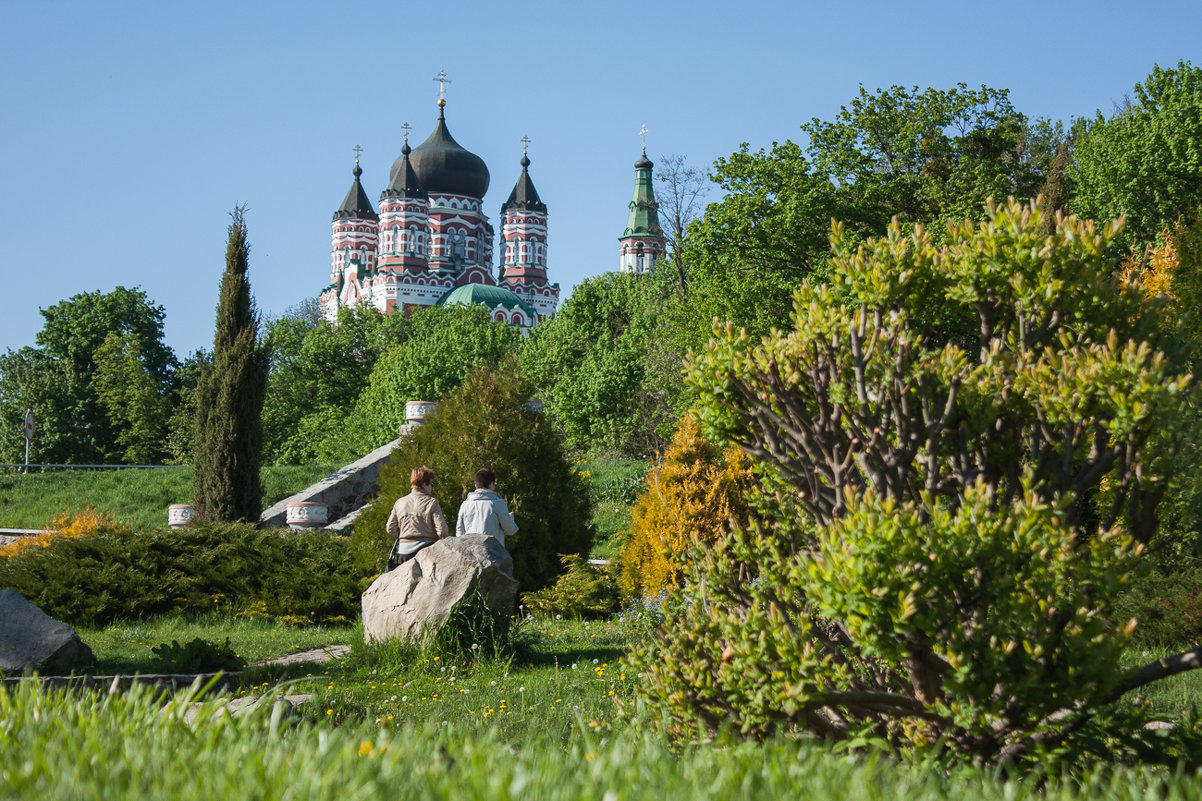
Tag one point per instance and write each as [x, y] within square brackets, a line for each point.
[84, 523]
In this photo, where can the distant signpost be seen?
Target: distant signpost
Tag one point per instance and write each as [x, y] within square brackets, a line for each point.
[28, 435]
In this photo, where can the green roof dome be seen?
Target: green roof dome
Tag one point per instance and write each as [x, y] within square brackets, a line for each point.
[490, 296]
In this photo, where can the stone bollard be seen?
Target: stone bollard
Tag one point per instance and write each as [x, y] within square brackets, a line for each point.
[416, 412]
[180, 515]
[305, 515]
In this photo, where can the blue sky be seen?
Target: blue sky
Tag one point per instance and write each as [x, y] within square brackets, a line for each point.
[131, 129]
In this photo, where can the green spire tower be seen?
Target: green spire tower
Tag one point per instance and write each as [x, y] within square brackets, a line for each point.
[642, 243]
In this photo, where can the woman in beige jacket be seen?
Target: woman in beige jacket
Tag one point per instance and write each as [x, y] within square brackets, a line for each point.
[417, 519]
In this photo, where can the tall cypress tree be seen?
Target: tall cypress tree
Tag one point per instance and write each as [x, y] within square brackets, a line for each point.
[229, 404]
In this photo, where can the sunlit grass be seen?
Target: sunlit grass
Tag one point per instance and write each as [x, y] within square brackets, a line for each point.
[137, 498]
[139, 745]
[126, 647]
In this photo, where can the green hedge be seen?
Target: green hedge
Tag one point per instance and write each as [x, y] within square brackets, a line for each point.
[108, 576]
[1167, 606]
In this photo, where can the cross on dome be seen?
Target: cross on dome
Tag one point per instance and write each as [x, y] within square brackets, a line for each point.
[643, 132]
[443, 80]
[406, 128]
[525, 144]
[357, 150]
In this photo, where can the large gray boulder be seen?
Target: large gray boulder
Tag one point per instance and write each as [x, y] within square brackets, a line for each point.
[32, 640]
[417, 597]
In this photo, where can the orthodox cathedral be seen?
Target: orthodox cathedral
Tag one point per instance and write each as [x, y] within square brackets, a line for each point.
[431, 242]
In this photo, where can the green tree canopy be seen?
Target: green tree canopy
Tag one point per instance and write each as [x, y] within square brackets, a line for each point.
[61, 380]
[137, 409]
[1145, 161]
[923, 156]
[76, 328]
[603, 365]
[31, 380]
[926, 157]
[434, 349]
[318, 371]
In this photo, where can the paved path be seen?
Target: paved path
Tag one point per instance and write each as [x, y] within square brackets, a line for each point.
[316, 655]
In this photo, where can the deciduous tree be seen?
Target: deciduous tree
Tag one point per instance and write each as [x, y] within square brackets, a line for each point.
[604, 366]
[1145, 161]
[59, 379]
[682, 189]
[137, 410]
[433, 352]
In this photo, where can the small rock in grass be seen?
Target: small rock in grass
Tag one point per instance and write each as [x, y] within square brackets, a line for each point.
[31, 640]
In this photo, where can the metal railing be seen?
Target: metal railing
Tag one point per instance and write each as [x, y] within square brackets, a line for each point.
[21, 465]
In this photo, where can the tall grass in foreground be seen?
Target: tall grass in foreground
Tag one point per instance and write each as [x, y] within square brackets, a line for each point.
[137, 745]
[137, 498]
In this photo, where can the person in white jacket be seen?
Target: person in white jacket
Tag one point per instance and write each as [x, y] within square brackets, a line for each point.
[484, 511]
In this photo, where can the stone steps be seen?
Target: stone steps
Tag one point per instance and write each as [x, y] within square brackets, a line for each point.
[343, 492]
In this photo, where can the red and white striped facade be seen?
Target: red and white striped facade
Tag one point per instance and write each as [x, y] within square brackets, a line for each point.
[524, 271]
[427, 241]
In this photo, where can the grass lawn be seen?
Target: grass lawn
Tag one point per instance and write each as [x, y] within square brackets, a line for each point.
[126, 647]
[614, 483]
[562, 672]
[138, 498]
[1172, 695]
[389, 723]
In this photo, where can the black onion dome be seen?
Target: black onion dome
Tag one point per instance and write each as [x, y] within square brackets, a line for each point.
[404, 181]
[356, 206]
[643, 163]
[524, 196]
[444, 167]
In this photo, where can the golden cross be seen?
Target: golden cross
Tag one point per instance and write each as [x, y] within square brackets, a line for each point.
[443, 80]
[406, 128]
[525, 144]
[357, 150]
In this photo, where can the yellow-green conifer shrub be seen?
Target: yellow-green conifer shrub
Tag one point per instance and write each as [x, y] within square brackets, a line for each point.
[687, 500]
